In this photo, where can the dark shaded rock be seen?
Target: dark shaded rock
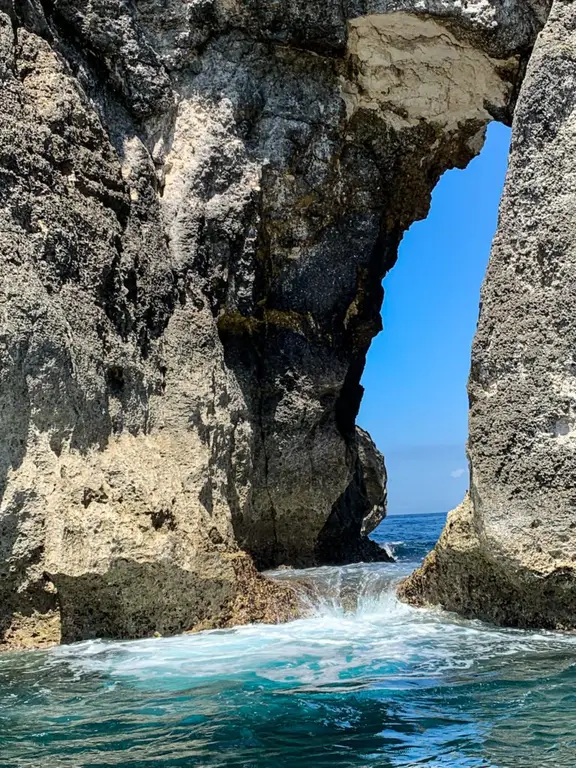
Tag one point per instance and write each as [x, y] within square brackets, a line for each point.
[198, 203]
[362, 506]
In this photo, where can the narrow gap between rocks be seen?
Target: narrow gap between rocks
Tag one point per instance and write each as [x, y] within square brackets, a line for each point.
[415, 404]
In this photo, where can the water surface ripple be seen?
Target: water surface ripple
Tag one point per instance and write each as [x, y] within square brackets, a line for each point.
[363, 681]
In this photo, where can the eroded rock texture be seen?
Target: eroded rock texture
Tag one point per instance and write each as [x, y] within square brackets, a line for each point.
[508, 554]
[199, 200]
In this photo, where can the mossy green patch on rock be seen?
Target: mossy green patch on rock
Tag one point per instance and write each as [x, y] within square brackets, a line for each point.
[38, 630]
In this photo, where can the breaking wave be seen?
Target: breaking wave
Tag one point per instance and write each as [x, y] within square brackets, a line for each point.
[363, 680]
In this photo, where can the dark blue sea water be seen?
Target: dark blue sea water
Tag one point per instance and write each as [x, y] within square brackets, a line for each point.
[363, 681]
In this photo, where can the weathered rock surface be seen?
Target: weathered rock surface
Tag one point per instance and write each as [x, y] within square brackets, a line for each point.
[199, 200]
[508, 554]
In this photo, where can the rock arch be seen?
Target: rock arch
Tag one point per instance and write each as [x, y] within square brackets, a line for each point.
[200, 202]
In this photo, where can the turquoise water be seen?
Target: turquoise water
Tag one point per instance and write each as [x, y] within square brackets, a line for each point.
[364, 681]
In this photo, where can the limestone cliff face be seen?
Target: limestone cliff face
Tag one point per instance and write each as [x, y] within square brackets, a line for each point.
[508, 554]
[199, 200]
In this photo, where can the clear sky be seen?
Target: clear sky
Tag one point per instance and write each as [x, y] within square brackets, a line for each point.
[415, 403]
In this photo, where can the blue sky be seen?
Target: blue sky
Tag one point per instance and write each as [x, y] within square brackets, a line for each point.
[415, 403]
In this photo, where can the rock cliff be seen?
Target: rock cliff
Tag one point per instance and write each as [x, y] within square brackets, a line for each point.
[508, 554]
[199, 200]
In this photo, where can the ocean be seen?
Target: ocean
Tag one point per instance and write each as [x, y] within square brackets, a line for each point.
[362, 681]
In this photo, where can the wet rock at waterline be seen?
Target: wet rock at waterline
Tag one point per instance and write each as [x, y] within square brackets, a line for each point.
[198, 202]
[509, 553]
